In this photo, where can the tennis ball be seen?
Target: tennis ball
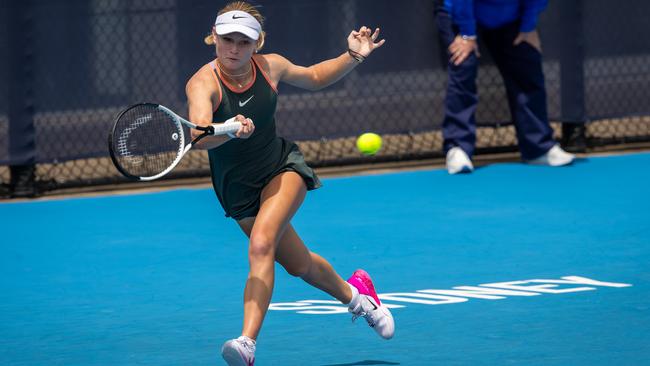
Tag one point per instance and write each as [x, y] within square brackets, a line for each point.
[369, 143]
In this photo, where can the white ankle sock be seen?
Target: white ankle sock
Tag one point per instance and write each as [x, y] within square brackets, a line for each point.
[355, 294]
[248, 339]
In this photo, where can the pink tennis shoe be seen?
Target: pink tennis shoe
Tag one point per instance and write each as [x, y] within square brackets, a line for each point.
[365, 303]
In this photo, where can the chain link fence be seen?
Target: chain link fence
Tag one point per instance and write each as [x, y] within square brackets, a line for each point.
[76, 63]
[4, 99]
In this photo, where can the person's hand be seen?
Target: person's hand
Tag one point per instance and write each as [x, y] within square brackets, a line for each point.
[362, 42]
[247, 127]
[461, 48]
[532, 38]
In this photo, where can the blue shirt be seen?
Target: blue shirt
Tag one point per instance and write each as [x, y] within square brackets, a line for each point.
[466, 14]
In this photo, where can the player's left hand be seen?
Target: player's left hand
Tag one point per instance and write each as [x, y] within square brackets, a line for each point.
[363, 41]
[532, 38]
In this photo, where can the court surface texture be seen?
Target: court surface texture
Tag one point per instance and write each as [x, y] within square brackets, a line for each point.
[510, 265]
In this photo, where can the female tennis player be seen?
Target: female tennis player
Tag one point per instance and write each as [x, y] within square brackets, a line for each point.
[260, 178]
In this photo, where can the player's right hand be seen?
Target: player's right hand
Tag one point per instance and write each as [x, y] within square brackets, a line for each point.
[247, 127]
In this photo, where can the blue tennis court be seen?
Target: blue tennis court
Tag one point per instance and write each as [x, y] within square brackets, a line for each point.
[511, 265]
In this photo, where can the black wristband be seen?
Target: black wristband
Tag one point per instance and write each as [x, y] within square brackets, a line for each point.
[356, 56]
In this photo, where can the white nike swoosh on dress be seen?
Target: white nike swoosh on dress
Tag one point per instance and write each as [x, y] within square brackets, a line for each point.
[241, 104]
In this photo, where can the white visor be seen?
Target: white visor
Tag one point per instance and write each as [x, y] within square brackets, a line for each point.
[238, 22]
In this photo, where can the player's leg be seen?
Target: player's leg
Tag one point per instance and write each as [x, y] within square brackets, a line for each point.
[358, 292]
[298, 261]
[280, 200]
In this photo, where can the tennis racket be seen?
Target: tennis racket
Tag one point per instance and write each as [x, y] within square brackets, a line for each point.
[148, 140]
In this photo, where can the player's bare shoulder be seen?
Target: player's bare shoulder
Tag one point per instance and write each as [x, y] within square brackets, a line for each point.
[202, 82]
[202, 78]
[273, 64]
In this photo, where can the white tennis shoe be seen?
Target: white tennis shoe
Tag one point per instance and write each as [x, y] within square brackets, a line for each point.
[239, 352]
[458, 161]
[556, 156]
[365, 303]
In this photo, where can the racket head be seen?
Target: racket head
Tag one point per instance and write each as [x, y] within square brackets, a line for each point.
[146, 141]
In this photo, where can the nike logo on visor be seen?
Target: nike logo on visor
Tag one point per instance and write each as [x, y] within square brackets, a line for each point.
[241, 104]
[236, 17]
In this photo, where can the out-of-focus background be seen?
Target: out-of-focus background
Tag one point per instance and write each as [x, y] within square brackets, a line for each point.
[69, 67]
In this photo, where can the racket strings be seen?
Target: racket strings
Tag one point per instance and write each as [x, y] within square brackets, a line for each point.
[147, 141]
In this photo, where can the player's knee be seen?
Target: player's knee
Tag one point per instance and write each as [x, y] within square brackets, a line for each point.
[261, 246]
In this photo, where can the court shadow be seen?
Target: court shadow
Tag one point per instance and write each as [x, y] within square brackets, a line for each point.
[364, 363]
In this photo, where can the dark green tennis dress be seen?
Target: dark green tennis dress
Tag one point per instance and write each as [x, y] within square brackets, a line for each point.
[241, 168]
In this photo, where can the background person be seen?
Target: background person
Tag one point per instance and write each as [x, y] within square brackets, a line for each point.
[507, 28]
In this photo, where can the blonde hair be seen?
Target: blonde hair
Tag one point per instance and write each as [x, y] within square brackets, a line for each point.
[245, 7]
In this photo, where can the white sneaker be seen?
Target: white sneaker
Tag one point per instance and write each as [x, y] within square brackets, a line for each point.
[365, 303]
[239, 352]
[554, 157]
[458, 161]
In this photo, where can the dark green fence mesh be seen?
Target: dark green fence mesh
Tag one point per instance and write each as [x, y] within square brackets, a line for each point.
[74, 64]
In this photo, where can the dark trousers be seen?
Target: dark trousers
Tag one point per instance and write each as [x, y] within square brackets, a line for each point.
[521, 69]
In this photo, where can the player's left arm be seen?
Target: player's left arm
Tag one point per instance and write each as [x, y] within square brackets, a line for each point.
[361, 43]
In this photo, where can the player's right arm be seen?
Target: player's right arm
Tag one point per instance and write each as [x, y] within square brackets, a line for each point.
[202, 97]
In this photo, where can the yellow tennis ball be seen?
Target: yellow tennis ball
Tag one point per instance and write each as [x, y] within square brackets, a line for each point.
[369, 143]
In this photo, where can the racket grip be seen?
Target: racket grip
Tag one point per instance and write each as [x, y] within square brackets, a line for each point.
[227, 128]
